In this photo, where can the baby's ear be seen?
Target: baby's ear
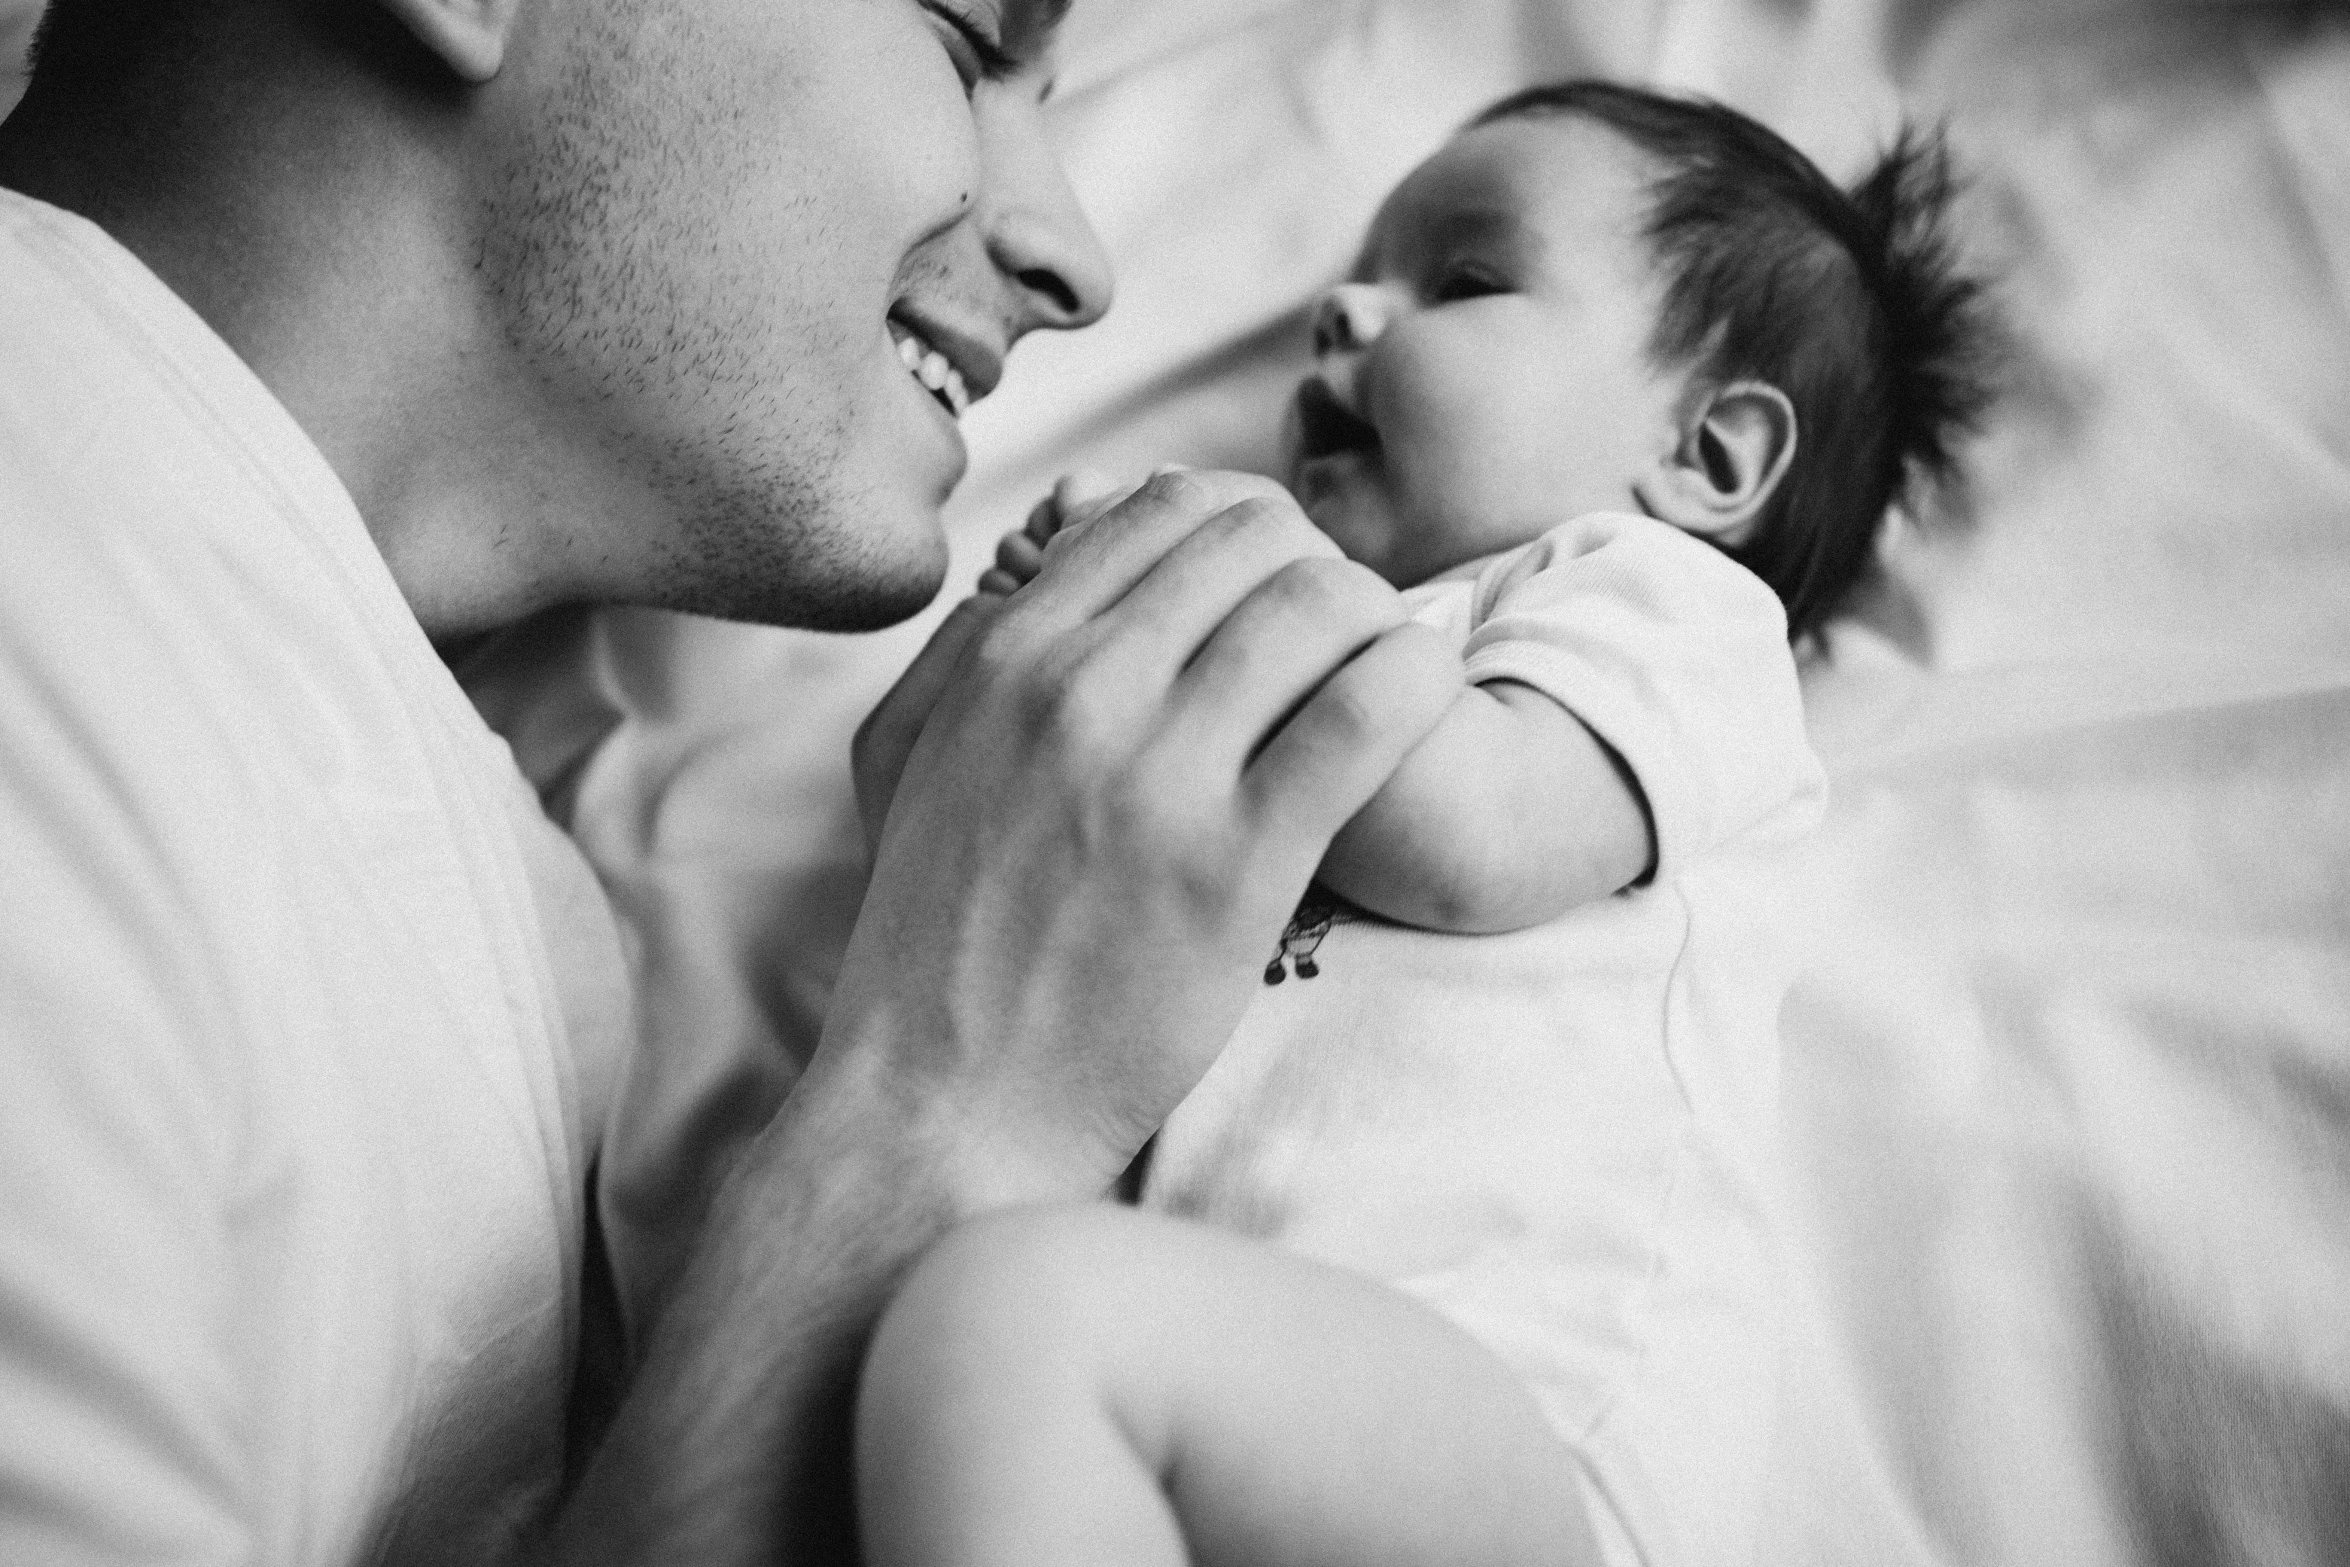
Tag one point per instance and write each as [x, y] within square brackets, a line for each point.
[1734, 449]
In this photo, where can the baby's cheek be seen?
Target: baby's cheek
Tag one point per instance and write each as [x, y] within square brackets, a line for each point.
[1460, 451]
[1462, 500]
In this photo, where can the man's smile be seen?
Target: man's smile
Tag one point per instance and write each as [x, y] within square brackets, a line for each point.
[955, 367]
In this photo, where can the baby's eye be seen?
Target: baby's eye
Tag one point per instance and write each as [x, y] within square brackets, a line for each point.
[1465, 282]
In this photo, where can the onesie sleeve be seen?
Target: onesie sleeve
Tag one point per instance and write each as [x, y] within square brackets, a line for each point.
[1673, 654]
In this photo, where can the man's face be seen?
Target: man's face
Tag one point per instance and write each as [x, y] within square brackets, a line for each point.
[1486, 374]
[760, 253]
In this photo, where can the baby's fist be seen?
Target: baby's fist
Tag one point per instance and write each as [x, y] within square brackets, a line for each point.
[1078, 497]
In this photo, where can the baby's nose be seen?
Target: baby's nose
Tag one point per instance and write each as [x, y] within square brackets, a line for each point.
[1347, 319]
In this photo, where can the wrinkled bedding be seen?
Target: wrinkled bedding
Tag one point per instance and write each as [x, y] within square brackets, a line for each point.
[2067, 1076]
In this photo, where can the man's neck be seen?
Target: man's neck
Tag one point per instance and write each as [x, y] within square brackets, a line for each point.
[333, 252]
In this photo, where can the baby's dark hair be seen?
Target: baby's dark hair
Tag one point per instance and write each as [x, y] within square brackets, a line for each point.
[1849, 302]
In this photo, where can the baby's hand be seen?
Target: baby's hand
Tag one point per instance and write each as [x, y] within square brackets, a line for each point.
[1078, 497]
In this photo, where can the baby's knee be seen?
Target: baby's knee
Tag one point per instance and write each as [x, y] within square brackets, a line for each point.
[999, 1310]
[1045, 1277]
[997, 1389]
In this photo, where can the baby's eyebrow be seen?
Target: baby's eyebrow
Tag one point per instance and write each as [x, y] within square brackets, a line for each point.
[1475, 225]
[1431, 234]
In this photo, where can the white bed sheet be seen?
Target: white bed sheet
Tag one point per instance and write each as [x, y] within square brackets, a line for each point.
[2069, 1075]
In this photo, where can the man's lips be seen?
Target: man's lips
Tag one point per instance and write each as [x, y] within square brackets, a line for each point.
[954, 366]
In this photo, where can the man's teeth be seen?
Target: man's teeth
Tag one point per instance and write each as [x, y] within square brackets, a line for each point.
[931, 368]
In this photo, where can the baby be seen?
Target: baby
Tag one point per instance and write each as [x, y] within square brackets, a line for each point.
[1619, 394]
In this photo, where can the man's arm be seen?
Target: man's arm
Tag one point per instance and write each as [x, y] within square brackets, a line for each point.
[733, 1445]
[1511, 813]
[1119, 785]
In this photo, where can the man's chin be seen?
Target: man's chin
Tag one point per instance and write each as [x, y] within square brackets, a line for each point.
[843, 601]
[874, 606]
[811, 579]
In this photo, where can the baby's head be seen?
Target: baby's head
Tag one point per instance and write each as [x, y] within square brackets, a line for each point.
[1599, 298]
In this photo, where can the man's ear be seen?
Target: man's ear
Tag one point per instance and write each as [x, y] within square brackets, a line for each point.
[468, 36]
[1734, 449]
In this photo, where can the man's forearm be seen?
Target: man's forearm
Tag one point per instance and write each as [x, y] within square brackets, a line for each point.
[733, 1445]
[1112, 798]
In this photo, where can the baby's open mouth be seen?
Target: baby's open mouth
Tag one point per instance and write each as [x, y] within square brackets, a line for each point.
[1327, 426]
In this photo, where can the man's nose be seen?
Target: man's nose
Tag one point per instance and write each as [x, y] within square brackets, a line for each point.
[1348, 319]
[1036, 234]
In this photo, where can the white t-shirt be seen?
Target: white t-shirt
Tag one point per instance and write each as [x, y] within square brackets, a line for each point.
[307, 1015]
[1562, 1137]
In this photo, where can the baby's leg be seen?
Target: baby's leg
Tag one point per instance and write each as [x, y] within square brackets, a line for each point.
[1100, 1386]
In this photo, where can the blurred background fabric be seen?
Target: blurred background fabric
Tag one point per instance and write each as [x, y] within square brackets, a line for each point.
[2068, 1075]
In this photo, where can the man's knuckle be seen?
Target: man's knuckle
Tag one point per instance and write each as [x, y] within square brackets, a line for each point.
[1239, 488]
[1314, 587]
[1001, 657]
[1072, 707]
[1274, 518]
[1361, 593]
[1236, 527]
[1174, 488]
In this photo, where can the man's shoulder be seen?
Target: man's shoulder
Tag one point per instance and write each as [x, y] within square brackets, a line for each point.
[185, 572]
[118, 392]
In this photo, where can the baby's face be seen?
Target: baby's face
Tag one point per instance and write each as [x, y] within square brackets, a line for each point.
[1485, 376]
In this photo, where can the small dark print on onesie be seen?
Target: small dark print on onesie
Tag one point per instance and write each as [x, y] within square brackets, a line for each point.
[1316, 913]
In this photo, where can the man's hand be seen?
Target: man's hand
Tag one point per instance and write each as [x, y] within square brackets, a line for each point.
[1119, 783]
[886, 738]
[1116, 783]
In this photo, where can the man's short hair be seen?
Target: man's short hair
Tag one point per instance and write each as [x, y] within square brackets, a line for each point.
[1849, 302]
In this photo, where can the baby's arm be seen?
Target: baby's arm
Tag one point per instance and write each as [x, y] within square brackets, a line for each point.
[1509, 814]
[1099, 1385]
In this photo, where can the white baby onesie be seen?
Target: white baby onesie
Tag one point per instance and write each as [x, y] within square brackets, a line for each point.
[1562, 1138]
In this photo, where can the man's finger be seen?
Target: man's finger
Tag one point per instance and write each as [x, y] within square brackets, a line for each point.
[886, 738]
[1285, 638]
[920, 685]
[1094, 564]
[1084, 495]
[1178, 606]
[1327, 761]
